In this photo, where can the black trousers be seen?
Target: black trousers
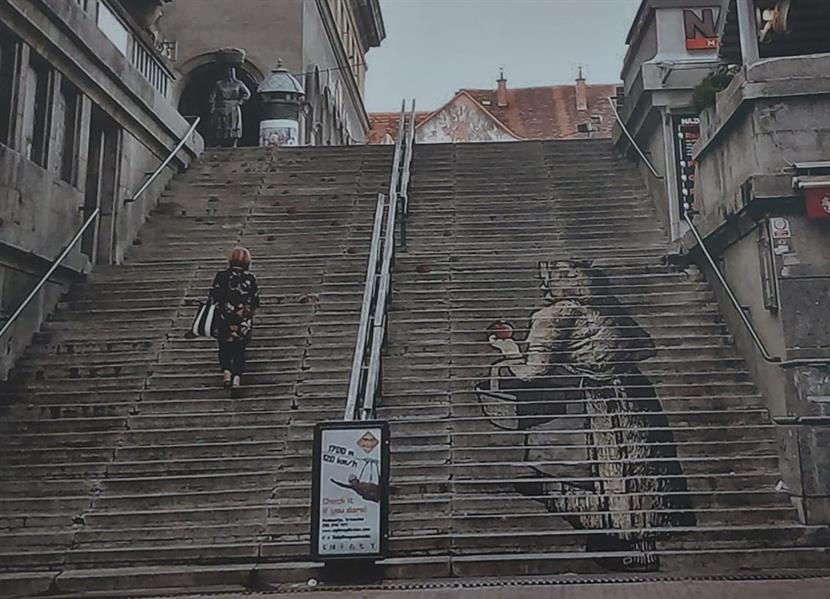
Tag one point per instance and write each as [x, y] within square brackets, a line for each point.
[232, 356]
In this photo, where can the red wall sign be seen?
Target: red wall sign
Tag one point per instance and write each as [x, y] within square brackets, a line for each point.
[701, 28]
[818, 202]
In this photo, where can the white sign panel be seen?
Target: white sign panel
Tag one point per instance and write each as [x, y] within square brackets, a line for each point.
[350, 490]
[279, 132]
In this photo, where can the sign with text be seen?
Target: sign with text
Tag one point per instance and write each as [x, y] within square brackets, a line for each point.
[350, 491]
[701, 25]
[687, 132]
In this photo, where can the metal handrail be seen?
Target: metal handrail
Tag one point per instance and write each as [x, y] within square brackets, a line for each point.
[89, 221]
[630, 137]
[364, 377]
[155, 174]
[688, 217]
[407, 173]
[381, 305]
[356, 378]
[45, 278]
[756, 339]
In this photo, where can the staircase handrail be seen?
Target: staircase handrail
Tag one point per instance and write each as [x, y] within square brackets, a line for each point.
[55, 265]
[634, 144]
[356, 377]
[407, 172]
[688, 216]
[381, 307]
[155, 174]
[88, 223]
[363, 379]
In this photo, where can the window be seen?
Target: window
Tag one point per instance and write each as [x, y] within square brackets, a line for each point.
[8, 71]
[113, 28]
[70, 103]
[38, 111]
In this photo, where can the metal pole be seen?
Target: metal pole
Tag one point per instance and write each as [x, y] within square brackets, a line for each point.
[73, 242]
[755, 338]
[748, 31]
[631, 139]
[365, 313]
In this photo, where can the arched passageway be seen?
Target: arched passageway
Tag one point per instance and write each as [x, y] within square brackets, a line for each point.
[194, 100]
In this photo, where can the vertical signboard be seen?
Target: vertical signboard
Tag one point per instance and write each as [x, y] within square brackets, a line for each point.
[687, 132]
[350, 491]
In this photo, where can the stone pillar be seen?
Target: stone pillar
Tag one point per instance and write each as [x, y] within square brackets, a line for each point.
[281, 95]
[748, 31]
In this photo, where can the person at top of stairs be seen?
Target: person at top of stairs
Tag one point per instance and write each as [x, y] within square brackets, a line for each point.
[236, 294]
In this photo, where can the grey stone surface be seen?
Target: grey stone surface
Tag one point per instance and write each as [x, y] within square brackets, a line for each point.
[768, 589]
[125, 467]
[780, 108]
[39, 211]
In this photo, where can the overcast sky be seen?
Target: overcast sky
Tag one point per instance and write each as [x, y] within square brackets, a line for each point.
[435, 47]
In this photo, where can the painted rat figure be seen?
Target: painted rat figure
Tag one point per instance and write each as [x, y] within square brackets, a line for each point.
[582, 400]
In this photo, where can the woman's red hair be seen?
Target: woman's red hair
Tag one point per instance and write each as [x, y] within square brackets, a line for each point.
[240, 257]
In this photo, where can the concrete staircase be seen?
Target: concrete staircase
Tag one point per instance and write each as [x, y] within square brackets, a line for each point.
[487, 484]
[119, 447]
[643, 447]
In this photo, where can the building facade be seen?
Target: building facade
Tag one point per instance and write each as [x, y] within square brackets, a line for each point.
[323, 43]
[672, 47]
[579, 111]
[85, 114]
[754, 158]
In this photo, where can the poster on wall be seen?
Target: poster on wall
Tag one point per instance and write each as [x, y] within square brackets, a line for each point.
[350, 491]
[687, 132]
[279, 132]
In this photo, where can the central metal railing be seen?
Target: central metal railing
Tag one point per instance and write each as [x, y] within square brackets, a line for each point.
[688, 216]
[364, 383]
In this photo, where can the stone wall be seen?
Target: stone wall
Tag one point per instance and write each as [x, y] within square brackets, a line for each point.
[347, 106]
[44, 200]
[302, 33]
[775, 114]
[267, 30]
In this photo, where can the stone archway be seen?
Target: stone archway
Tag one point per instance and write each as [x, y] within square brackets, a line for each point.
[194, 100]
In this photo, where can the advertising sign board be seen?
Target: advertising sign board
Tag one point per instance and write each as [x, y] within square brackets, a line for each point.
[350, 491]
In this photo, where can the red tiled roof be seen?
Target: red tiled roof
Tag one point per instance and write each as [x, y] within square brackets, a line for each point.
[383, 123]
[548, 112]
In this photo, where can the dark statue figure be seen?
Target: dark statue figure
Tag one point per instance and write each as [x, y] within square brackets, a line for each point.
[226, 100]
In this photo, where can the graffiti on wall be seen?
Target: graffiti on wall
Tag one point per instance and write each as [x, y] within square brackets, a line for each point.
[597, 441]
[460, 121]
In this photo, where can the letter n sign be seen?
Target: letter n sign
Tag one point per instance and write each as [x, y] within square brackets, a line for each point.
[701, 28]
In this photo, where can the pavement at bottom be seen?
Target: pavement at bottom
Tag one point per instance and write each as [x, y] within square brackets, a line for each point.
[813, 588]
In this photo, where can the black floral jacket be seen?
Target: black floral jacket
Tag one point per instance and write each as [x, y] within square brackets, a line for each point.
[237, 297]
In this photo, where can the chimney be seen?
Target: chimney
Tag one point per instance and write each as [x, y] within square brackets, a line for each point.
[501, 92]
[581, 92]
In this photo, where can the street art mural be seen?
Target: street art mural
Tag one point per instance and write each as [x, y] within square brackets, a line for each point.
[462, 121]
[596, 440]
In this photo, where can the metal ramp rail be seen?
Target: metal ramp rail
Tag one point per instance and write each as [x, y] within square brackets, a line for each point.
[364, 393]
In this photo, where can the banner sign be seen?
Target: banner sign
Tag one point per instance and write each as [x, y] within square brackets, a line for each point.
[350, 491]
[687, 132]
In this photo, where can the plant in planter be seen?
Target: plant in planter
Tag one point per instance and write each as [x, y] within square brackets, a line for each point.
[707, 90]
